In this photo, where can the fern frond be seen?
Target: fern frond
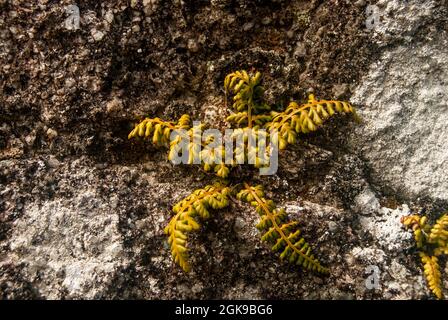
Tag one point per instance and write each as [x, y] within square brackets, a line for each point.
[284, 236]
[432, 242]
[157, 130]
[239, 81]
[305, 118]
[431, 269]
[419, 226]
[197, 204]
[247, 91]
[439, 233]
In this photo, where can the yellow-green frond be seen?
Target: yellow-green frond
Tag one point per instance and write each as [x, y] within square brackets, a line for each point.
[247, 90]
[432, 242]
[305, 118]
[283, 235]
[439, 232]
[419, 226]
[157, 130]
[187, 211]
[431, 269]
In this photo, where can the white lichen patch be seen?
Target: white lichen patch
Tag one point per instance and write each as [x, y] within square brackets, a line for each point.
[386, 227]
[366, 203]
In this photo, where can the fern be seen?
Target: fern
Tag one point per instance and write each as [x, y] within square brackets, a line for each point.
[248, 93]
[432, 242]
[158, 130]
[439, 233]
[432, 272]
[419, 226]
[276, 229]
[253, 121]
[305, 118]
[252, 114]
[187, 211]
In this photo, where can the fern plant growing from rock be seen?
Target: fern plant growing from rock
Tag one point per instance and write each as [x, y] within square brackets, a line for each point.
[432, 243]
[251, 120]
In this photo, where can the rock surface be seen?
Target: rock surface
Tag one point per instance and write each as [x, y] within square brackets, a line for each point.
[405, 94]
[82, 210]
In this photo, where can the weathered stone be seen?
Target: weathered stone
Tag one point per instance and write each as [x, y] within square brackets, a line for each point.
[83, 209]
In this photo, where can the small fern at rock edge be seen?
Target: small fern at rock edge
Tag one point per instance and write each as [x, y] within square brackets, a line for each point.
[432, 242]
[439, 234]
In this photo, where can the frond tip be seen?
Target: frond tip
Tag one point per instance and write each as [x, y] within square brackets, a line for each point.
[187, 211]
[419, 226]
[247, 98]
[276, 229]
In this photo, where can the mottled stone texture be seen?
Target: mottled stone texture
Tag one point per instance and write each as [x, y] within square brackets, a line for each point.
[404, 101]
[82, 209]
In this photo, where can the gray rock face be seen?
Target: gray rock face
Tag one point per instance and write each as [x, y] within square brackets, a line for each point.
[73, 243]
[404, 101]
[82, 209]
